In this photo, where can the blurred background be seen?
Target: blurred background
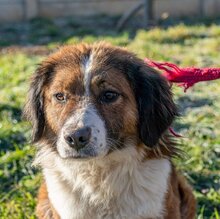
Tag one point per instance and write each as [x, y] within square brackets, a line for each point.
[186, 32]
[18, 10]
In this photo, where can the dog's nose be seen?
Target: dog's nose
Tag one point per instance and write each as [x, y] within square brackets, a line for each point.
[78, 139]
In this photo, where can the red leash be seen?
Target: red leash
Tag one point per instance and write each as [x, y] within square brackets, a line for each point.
[184, 77]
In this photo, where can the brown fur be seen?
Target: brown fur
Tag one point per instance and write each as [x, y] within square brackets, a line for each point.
[131, 116]
[179, 196]
[44, 208]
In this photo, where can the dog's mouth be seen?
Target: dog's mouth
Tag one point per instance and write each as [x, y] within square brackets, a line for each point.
[79, 157]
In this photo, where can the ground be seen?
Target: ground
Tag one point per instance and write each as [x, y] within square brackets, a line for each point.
[187, 43]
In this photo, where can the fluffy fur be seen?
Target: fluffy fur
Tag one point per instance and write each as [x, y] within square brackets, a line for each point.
[124, 168]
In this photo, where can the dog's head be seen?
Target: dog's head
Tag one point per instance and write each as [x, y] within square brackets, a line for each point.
[88, 100]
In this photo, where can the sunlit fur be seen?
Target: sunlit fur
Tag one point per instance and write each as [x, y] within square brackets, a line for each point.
[125, 170]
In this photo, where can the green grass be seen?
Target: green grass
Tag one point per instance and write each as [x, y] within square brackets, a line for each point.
[186, 45]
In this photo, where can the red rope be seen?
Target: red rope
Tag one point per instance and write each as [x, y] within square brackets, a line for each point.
[174, 133]
[185, 77]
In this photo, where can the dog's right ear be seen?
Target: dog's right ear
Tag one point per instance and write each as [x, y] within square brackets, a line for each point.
[34, 110]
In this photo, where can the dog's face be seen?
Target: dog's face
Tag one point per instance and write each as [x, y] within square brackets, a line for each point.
[88, 100]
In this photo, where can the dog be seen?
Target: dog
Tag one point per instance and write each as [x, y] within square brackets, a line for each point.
[100, 120]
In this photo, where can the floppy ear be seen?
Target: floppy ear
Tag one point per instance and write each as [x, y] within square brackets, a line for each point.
[34, 111]
[155, 104]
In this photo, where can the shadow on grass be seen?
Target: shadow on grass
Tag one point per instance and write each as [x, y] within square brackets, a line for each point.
[207, 21]
[186, 102]
[44, 31]
[209, 206]
[9, 137]
[14, 112]
[207, 186]
[206, 181]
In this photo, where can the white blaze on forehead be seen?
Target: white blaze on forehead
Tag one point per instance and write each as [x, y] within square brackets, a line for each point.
[86, 70]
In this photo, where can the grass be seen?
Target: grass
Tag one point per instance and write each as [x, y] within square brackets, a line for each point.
[185, 44]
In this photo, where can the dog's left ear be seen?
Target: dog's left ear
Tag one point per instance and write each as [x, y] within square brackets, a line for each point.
[155, 104]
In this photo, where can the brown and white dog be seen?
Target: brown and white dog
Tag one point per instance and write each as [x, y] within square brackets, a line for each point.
[100, 117]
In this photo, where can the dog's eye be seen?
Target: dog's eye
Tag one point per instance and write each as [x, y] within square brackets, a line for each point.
[60, 97]
[109, 97]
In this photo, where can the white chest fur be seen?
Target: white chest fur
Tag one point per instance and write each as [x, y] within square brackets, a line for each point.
[109, 188]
